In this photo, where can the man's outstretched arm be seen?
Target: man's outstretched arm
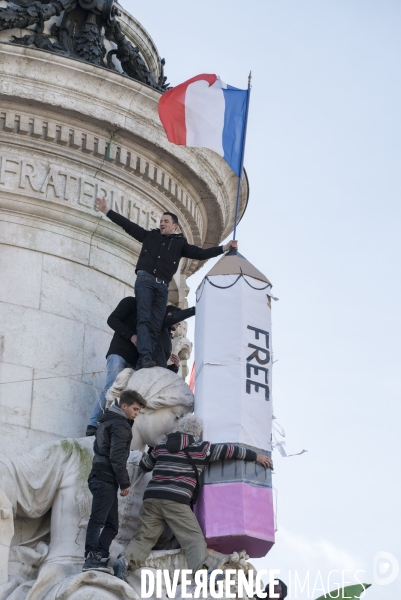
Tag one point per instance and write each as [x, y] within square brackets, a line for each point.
[134, 230]
[179, 315]
[190, 251]
[148, 461]
[226, 451]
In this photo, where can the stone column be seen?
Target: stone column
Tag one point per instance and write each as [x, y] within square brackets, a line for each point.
[71, 131]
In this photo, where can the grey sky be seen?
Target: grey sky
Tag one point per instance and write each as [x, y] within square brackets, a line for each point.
[323, 223]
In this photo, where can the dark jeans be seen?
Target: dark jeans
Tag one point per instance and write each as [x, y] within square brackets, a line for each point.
[104, 515]
[151, 302]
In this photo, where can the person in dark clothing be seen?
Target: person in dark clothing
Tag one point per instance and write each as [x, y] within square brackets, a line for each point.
[123, 352]
[168, 496]
[163, 352]
[124, 322]
[109, 472]
[280, 588]
[161, 252]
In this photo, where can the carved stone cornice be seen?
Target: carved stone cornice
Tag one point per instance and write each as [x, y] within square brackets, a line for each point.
[73, 165]
[121, 107]
[88, 30]
[108, 125]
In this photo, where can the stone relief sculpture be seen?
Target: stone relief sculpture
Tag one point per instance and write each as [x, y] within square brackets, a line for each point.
[29, 13]
[182, 346]
[37, 38]
[168, 398]
[80, 31]
[45, 504]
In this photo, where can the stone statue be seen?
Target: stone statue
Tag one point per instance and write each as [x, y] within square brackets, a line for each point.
[168, 398]
[38, 38]
[45, 505]
[131, 60]
[18, 17]
[79, 33]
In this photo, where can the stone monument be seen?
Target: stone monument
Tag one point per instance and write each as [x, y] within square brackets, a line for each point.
[79, 88]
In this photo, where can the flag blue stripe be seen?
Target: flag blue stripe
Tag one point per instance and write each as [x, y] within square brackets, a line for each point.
[234, 126]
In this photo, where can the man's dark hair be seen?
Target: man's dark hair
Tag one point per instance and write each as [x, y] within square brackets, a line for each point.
[173, 216]
[283, 590]
[130, 397]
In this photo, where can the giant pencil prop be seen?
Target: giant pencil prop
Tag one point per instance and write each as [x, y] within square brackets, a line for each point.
[233, 398]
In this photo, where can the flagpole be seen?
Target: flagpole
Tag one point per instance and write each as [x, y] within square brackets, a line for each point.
[242, 155]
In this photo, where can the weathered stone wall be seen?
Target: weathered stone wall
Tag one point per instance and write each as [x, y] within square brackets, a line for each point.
[70, 131]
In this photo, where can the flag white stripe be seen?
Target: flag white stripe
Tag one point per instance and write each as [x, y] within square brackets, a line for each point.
[204, 115]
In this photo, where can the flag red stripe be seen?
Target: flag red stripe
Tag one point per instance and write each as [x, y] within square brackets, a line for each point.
[172, 109]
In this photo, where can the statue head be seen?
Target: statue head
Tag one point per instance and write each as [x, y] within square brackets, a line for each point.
[167, 398]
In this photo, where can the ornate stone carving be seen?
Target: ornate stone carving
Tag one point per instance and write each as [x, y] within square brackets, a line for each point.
[17, 17]
[80, 33]
[38, 38]
[89, 44]
[131, 60]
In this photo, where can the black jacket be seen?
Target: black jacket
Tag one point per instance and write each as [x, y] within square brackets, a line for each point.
[112, 447]
[123, 321]
[164, 346]
[161, 254]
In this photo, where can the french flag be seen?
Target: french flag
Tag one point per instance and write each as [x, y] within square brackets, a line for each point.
[206, 112]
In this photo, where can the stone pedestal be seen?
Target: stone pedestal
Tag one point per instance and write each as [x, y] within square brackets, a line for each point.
[78, 120]
[69, 132]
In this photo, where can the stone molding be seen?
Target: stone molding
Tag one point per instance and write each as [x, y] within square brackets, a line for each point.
[123, 107]
[70, 165]
[108, 150]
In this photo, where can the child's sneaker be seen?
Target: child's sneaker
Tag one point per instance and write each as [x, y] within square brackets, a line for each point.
[95, 562]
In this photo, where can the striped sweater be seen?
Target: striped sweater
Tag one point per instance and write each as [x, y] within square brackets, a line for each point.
[173, 476]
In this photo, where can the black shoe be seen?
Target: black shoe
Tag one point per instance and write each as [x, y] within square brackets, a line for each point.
[95, 562]
[146, 365]
[90, 430]
[149, 364]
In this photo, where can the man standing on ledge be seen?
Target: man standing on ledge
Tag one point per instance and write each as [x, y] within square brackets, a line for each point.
[161, 252]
